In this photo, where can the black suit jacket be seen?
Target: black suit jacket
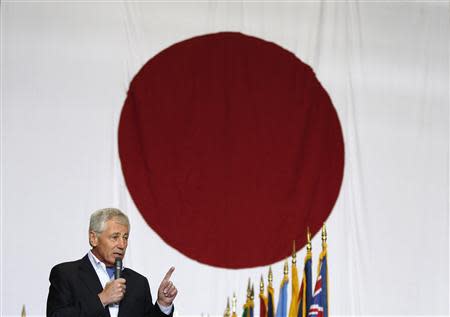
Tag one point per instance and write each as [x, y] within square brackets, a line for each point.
[74, 289]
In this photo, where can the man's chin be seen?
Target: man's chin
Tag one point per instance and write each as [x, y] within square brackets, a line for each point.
[115, 257]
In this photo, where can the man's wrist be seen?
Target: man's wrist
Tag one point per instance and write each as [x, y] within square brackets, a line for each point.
[102, 300]
[165, 309]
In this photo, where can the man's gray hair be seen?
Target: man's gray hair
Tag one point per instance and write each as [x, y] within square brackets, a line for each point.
[100, 217]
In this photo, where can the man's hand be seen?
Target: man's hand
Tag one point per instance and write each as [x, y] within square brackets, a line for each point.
[167, 291]
[113, 292]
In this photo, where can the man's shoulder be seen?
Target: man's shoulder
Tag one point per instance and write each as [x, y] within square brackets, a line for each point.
[68, 266]
[132, 274]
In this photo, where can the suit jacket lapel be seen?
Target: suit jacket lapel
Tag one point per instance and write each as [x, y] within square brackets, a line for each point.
[89, 277]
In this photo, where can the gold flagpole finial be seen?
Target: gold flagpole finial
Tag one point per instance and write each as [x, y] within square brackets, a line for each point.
[227, 309]
[252, 293]
[270, 276]
[308, 239]
[233, 303]
[249, 290]
[294, 253]
[261, 286]
[324, 236]
[23, 314]
[286, 268]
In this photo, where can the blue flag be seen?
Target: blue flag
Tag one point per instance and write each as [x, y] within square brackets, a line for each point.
[270, 301]
[282, 300]
[319, 307]
[305, 297]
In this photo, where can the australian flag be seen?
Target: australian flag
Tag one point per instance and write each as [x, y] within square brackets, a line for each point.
[319, 307]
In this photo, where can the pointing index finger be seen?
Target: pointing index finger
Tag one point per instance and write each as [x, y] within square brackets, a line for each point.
[169, 273]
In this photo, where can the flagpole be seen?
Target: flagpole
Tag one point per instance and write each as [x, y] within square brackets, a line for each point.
[233, 305]
[227, 312]
[306, 291]
[325, 254]
[293, 307]
[262, 299]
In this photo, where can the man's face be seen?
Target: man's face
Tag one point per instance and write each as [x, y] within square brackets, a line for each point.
[111, 243]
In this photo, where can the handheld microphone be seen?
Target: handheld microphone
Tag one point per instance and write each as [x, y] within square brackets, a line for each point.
[117, 268]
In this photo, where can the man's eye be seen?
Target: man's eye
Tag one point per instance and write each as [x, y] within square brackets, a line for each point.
[114, 238]
[125, 238]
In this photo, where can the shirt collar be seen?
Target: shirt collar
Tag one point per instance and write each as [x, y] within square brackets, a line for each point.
[97, 263]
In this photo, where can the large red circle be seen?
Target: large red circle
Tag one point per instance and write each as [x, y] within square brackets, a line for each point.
[230, 148]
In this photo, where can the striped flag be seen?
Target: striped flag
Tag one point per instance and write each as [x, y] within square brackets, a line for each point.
[319, 307]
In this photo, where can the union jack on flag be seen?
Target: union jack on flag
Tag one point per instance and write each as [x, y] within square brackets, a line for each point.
[319, 307]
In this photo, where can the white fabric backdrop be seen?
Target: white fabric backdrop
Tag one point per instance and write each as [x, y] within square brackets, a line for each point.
[65, 70]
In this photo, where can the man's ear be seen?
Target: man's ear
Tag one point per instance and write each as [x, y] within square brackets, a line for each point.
[93, 239]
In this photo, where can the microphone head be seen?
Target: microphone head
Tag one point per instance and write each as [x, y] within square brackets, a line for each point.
[117, 267]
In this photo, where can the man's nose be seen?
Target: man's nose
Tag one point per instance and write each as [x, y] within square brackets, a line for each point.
[122, 243]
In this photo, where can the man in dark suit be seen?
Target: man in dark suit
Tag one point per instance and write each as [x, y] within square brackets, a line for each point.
[86, 287]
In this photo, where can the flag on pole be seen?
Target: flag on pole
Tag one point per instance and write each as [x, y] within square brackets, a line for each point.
[262, 299]
[245, 311]
[270, 296]
[319, 307]
[293, 308]
[249, 305]
[282, 299]
[246, 305]
[305, 293]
